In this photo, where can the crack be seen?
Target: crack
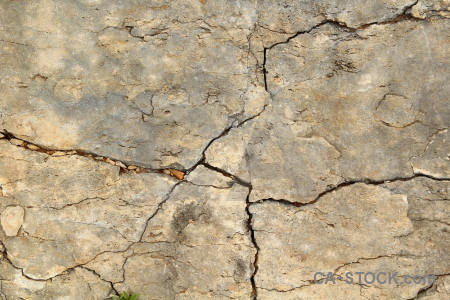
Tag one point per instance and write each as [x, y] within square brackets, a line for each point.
[112, 290]
[430, 140]
[158, 209]
[8, 260]
[124, 167]
[81, 265]
[202, 160]
[429, 220]
[254, 294]
[210, 185]
[374, 258]
[422, 292]
[227, 174]
[402, 16]
[348, 183]
[308, 283]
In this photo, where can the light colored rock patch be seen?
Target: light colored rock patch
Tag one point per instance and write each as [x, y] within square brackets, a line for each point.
[12, 219]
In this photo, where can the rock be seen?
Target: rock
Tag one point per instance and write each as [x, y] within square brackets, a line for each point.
[435, 160]
[197, 245]
[59, 153]
[248, 145]
[12, 220]
[109, 266]
[295, 243]
[207, 177]
[93, 210]
[177, 174]
[343, 116]
[110, 161]
[142, 96]
[78, 282]
[121, 165]
[16, 142]
[32, 147]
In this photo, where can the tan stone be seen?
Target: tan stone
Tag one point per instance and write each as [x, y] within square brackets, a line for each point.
[16, 142]
[12, 219]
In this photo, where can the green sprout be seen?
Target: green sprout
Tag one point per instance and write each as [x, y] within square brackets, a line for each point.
[125, 296]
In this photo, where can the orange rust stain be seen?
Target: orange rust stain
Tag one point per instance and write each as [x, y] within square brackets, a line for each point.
[177, 173]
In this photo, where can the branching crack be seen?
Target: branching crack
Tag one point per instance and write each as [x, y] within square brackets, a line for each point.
[402, 16]
[158, 209]
[250, 229]
[222, 134]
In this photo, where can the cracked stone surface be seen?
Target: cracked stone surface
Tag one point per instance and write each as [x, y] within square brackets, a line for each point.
[12, 219]
[221, 149]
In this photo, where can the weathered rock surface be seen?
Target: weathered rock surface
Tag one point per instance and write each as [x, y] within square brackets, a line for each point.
[196, 247]
[358, 228]
[223, 149]
[11, 220]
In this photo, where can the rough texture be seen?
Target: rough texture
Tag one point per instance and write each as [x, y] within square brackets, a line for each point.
[223, 149]
[12, 219]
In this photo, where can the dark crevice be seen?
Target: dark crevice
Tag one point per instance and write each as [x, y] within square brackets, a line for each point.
[229, 175]
[404, 15]
[254, 294]
[250, 229]
[264, 70]
[348, 183]
[222, 134]
[113, 290]
[203, 155]
[5, 257]
[124, 167]
[158, 209]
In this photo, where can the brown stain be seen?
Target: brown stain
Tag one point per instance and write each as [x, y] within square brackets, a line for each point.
[202, 1]
[161, 7]
[177, 173]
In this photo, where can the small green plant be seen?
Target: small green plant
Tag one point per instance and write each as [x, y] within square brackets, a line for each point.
[125, 296]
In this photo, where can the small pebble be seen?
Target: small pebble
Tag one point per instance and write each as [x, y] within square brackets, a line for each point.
[99, 158]
[58, 153]
[166, 171]
[32, 147]
[118, 163]
[71, 152]
[132, 167]
[177, 173]
[16, 142]
[109, 161]
[1, 136]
